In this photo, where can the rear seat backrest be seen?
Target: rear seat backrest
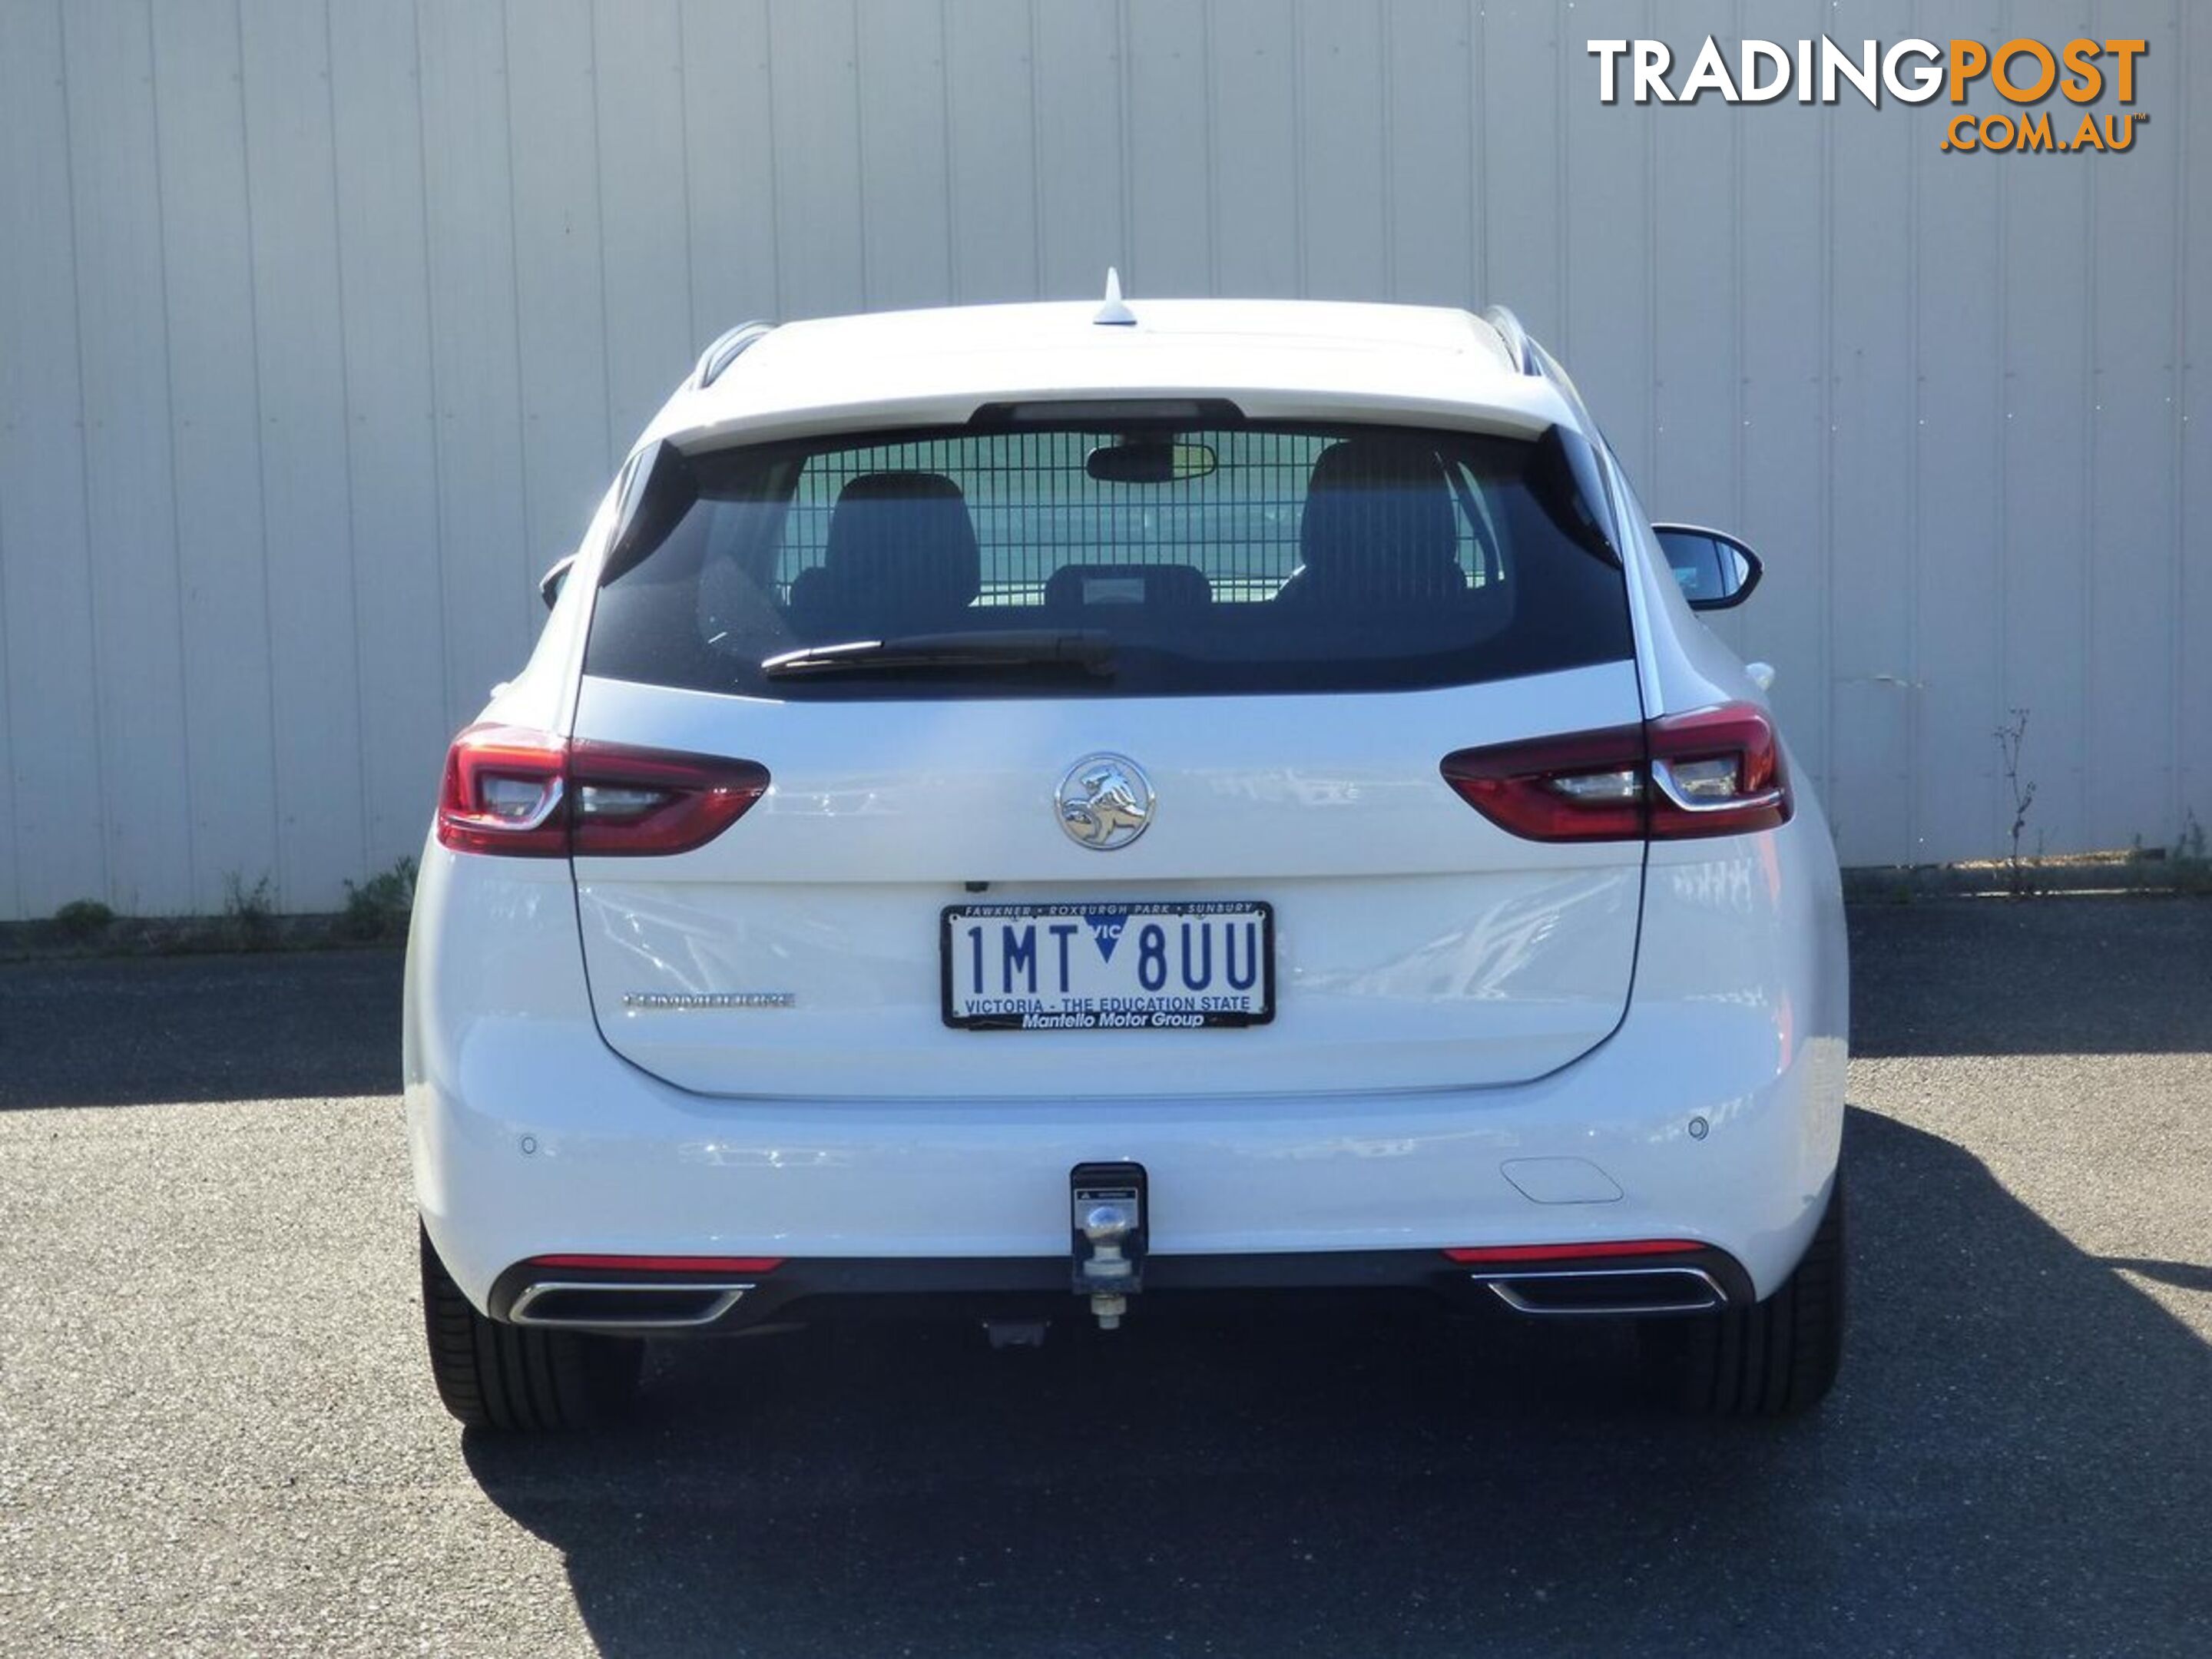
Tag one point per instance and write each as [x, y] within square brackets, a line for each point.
[1095, 591]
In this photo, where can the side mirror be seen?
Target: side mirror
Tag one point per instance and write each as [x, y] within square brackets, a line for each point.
[1714, 571]
[549, 584]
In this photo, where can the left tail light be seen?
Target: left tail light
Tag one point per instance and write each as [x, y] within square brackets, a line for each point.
[524, 793]
[1711, 772]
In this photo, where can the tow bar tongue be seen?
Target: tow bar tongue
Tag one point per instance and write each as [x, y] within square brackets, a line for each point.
[1108, 1236]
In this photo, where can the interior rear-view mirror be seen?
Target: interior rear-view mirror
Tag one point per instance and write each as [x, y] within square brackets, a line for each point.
[1150, 461]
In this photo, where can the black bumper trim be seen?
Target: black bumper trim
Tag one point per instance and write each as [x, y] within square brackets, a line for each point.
[807, 1289]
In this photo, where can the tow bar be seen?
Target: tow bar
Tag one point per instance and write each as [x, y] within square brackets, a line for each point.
[1109, 1236]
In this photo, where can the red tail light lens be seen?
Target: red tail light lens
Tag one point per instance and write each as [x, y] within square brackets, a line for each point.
[664, 1264]
[1586, 787]
[1717, 772]
[1713, 772]
[648, 800]
[1591, 1252]
[504, 791]
[523, 794]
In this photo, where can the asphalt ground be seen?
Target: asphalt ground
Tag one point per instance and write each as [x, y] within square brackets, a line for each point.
[217, 1436]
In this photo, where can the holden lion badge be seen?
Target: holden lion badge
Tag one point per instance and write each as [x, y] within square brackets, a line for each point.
[1105, 802]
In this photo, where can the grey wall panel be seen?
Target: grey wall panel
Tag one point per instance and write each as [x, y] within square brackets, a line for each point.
[1875, 164]
[991, 117]
[1956, 559]
[561, 333]
[1083, 196]
[1606, 234]
[1697, 374]
[1430, 185]
[2044, 531]
[139, 690]
[729, 168]
[11, 885]
[821, 240]
[1520, 136]
[905, 170]
[2192, 436]
[325, 325]
[215, 419]
[305, 491]
[385, 380]
[472, 207]
[1252, 148]
[1344, 215]
[645, 250]
[2131, 649]
[1784, 279]
[1172, 198]
[54, 806]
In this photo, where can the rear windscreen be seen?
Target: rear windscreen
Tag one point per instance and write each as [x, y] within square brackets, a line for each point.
[1115, 559]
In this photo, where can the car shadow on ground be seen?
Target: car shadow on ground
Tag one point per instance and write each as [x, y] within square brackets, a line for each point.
[2061, 975]
[2015, 1462]
[136, 1030]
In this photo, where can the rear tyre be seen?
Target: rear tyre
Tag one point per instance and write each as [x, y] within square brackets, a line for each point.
[1774, 1359]
[517, 1377]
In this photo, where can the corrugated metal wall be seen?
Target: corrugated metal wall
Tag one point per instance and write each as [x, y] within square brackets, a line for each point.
[321, 327]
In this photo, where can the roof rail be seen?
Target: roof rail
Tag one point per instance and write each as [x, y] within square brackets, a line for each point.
[726, 350]
[1518, 345]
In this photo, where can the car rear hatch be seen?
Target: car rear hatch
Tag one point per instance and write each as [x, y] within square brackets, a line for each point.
[1059, 807]
[805, 951]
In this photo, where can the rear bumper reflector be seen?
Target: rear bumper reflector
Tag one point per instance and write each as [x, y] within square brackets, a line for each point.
[1485, 1253]
[664, 1264]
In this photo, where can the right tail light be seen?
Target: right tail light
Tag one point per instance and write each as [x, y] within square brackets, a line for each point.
[1713, 772]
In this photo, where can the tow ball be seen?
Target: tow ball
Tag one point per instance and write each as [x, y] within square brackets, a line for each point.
[1109, 1236]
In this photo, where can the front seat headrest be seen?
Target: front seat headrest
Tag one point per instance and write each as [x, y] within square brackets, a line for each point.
[900, 557]
[1378, 524]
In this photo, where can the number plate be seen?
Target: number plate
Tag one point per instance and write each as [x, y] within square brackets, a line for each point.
[1109, 967]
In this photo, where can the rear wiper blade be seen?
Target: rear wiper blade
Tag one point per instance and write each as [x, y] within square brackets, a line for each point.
[1089, 649]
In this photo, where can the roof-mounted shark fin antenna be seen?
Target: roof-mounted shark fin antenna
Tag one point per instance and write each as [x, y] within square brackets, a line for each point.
[1113, 314]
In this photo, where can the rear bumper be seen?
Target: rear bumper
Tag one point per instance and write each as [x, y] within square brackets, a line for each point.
[1714, 1113]
[1039, 1287]
[583, 1154]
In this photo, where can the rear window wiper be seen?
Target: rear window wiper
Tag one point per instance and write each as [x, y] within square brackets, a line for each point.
[1090, 650]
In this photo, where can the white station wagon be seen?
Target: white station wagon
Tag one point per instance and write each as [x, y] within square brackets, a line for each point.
[1056, 811]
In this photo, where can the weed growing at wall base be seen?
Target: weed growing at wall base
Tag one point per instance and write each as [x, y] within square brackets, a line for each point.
[249, 913]
[378, 907]
[2009, 739]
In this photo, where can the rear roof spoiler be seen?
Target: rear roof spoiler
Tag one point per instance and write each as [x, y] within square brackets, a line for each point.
[726, 350]
[1518, 346]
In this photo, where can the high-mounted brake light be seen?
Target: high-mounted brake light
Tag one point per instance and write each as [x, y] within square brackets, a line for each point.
[522, 794]
[1713, 772]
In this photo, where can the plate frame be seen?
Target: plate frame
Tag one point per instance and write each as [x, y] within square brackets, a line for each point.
[1133, 908]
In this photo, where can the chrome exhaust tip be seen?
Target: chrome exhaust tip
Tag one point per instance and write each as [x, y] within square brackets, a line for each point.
[1600, 1291]
[600, 1305]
